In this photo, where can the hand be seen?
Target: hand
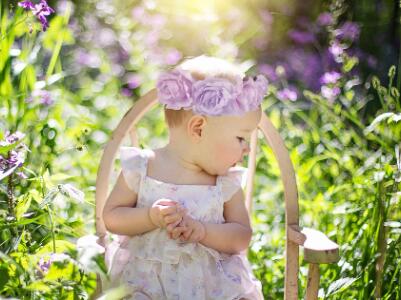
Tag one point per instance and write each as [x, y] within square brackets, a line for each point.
[189, 230]
[165, 212]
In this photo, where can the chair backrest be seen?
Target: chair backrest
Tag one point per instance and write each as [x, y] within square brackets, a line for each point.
[293, 238]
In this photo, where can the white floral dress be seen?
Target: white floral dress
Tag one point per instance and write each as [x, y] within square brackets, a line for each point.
[153, 266]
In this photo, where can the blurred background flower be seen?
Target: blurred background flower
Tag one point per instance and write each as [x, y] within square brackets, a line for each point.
[66, 85]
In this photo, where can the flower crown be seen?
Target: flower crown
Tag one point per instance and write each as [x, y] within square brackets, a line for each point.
[212, 96]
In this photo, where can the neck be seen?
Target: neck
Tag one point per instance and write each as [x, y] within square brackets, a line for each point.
[181, 154]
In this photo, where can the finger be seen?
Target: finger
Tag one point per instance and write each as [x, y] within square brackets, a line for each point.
[187, 234]
[178, 231]
[171, 226]
[168, 210]
[172, 218]
[182, 211]
[166, 202]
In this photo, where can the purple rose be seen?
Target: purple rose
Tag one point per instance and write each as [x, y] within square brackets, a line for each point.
[253, 92]
[174, 90]
[213, 96]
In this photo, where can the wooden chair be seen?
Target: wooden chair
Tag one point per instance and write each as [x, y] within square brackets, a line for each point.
[318, 248]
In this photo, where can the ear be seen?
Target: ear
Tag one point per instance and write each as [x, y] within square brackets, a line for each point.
[195, 127]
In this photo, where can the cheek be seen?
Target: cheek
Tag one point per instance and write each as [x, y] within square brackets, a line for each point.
[228, 151]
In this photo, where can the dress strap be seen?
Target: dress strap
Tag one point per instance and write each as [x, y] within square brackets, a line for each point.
[232, 182]
[134, 165]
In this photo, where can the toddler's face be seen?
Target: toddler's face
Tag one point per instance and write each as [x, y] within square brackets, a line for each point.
[225, 141]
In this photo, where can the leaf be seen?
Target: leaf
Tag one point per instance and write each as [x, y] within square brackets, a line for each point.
[39, 286]
[4, 174]
[71, 192]
[377, 121]
[61, 246]
[23, 205]
[393, 224]
[349, 64]
[339, 284]
[4, 277]
[51, 195]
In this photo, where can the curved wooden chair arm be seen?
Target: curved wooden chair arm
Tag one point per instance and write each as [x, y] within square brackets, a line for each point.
[318, 248]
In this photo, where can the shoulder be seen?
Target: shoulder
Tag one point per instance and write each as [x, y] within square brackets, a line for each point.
[134, 164]
[232, 182]
[135, 153]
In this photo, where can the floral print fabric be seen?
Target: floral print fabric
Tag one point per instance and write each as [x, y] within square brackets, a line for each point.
[153, 266]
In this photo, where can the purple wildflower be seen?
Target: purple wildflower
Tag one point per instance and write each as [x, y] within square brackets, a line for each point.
[330, 93]
[336, 49]
[87, 59]
[12, 138]
[305, 65]
[287, 94]
[126, 92]
[330, 77]
[133, 81]
[173, 56]
[301, 37]
[40, 10]
[27, 5]
[325, 19]
[45, 265]
[45, 98]
[16, 155]
[348, 31]
[269, 71]
[9, 164]
[21, 175]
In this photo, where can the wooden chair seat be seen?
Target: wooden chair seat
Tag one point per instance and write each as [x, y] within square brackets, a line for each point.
[318, 248]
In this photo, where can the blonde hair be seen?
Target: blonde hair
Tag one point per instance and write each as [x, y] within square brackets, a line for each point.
[201, 67]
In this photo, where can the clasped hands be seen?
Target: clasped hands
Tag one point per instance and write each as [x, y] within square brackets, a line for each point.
[169, 214]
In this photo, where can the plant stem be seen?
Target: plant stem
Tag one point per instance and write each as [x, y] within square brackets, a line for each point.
[399, 55]
[10, 196]
[7, 31]
[52, 228]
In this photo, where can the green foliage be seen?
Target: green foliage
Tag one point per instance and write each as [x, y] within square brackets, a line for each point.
[347, 163]
[39, 221]
[349, 179]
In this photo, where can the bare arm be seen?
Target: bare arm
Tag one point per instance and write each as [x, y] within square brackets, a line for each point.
[120, 214]
[231, 237]
[122, 217]
[235, 234]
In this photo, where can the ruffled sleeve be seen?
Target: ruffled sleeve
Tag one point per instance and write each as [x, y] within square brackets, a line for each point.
[133, 164]
[232, 182]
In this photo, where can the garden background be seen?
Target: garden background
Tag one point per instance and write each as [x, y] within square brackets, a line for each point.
[69, 72]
